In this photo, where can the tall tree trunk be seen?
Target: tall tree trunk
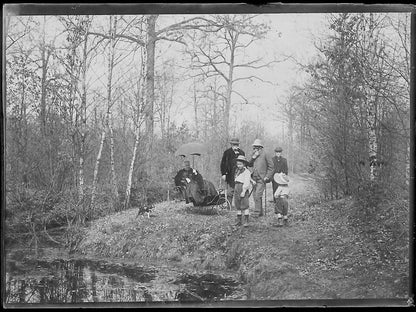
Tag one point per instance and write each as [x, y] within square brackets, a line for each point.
[291, 154]
[131, 169]
[97, 165]
[113, 28]
[196, 110]
[229, 91]
[150, 85]
[83, 118]
[150, 73]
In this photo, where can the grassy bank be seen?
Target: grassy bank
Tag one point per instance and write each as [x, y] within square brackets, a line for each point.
[325, 253]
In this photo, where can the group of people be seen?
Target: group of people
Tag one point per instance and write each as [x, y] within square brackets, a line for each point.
[249, 176]
[243, 177]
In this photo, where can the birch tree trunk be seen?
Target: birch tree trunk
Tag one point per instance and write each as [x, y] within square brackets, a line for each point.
[113, 28]
[131, 169]
[97, 165]
[83, 119]
[150, 84]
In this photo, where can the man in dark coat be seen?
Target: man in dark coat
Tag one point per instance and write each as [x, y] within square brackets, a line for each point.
[280, 165]
[228, 166]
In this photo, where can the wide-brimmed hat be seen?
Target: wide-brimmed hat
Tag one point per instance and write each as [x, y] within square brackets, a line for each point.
[278, 149]
[281, 178]
[257, 142]
[234, 141]
[242, 158]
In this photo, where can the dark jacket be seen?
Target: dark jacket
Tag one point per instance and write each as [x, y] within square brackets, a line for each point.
[191, 174]
[280, 164]
[228, 164]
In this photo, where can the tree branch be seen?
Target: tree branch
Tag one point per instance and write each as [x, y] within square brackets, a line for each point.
[130, 38]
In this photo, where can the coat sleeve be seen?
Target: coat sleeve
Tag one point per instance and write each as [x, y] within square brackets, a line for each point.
[270, 166]
[178, 178]
[223, 166]
[247, 181]
[285, 168]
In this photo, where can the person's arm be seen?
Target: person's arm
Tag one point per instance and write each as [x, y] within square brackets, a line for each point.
[246, 182]
[223, 166]
[270, 167]
[285, 168]
[253, 159]
[178, 178]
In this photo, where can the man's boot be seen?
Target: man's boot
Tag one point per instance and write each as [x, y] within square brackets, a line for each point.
[246, 217]
[239, 219]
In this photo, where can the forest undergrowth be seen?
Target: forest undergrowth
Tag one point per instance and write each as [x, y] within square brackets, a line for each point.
[330, 250]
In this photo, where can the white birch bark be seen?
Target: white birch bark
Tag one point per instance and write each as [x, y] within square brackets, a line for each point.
[83, 119]
[131, 169]
[113, 28]
[97, 165]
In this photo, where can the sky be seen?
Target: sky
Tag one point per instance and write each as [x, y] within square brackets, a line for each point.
[290, 35]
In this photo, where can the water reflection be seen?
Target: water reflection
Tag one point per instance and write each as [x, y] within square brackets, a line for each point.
[79, 281]
[74, 281]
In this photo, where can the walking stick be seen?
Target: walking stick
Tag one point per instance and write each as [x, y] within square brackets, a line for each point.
[265, 198]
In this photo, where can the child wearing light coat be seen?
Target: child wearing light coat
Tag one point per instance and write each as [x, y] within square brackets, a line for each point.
[242, 190]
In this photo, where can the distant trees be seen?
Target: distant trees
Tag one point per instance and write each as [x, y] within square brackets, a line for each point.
[350, 101]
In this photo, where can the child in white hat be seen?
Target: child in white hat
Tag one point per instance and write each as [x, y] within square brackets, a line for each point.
[242, 190]
[281, 195]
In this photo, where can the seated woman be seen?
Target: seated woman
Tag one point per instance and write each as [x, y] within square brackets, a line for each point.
[185, 176]
[193, 187]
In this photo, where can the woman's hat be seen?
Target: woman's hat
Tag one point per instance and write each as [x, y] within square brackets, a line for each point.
[281, 178]
[257, 142]
[242, 158]
[278, 149]
[234, 141]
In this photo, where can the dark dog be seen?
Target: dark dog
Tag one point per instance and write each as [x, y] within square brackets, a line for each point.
[145, 209]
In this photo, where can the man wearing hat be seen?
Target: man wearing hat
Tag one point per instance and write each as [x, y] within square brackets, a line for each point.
[280, 165]
[228, 166]
[262, 165]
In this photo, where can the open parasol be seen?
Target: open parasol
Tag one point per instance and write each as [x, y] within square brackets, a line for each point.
[192, 148]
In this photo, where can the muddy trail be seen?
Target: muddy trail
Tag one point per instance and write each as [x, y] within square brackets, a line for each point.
[322, 254]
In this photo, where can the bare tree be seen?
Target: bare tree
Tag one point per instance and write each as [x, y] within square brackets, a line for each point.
[219, 54]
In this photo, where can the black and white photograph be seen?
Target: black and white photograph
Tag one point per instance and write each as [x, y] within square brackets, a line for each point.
[207, 155]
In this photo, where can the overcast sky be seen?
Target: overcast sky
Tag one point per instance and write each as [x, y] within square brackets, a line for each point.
[290, 34]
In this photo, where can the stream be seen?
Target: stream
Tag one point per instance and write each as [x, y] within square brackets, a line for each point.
[53, 277]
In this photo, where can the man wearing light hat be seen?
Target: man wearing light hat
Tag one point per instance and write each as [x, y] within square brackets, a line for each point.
[262, 165]
[280, 165]
[228, 166]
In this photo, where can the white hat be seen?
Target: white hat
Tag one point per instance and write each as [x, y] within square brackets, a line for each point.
[281, 178]
[257, 142]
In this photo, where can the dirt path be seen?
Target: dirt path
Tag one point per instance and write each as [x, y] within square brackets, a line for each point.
[320, 255]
